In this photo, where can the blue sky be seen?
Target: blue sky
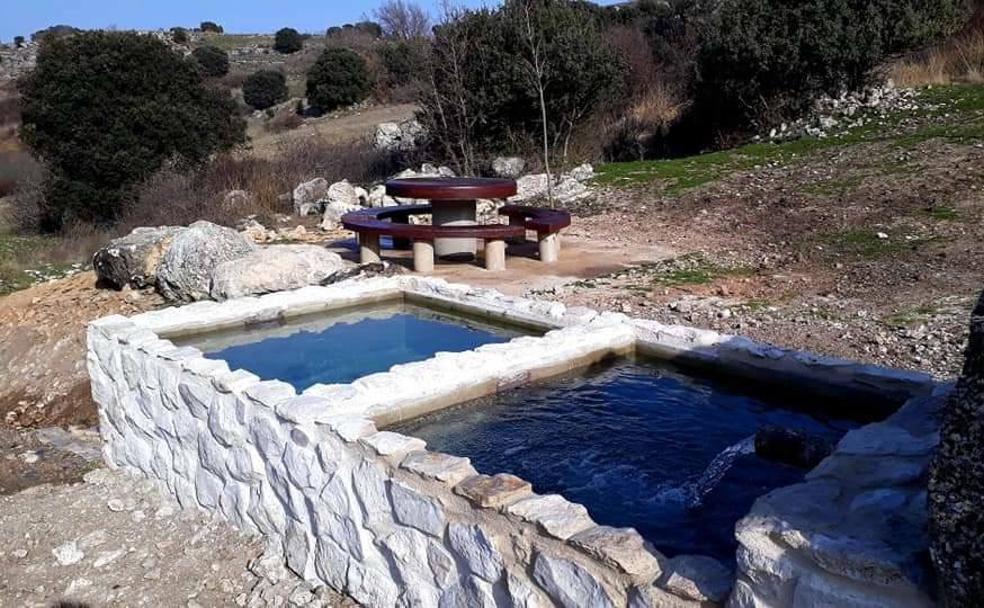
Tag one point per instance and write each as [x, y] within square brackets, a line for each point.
[22, 17]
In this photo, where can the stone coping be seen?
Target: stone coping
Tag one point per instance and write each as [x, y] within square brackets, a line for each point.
[138, 377]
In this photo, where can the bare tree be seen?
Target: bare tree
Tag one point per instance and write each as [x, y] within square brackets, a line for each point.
[403, 20]
[536, 67]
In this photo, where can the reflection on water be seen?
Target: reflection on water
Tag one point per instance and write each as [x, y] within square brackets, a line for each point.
[639, 445]
[344, 346]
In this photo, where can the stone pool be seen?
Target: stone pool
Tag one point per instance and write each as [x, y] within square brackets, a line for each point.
[392, 521]
[638, 443]
[346, 345]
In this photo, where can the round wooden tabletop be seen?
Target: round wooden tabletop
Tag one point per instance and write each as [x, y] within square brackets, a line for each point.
[451, 188]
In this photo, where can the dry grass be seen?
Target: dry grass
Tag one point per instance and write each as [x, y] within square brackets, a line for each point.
[958, 60]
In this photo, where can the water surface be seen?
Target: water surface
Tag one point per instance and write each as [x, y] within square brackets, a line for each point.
[343, 346]
[639, 445]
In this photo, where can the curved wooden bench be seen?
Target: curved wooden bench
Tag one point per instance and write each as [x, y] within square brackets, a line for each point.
[546, 222]
[371, 223]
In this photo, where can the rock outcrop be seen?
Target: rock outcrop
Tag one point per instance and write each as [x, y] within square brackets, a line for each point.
[956, 483]
[403, 136]
[132, 260]
[185, 270]
[274, 268]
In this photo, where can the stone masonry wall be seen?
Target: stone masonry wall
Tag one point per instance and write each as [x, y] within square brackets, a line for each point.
[373, 513]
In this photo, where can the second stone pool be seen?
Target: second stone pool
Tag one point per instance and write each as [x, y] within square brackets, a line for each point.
[639, 444]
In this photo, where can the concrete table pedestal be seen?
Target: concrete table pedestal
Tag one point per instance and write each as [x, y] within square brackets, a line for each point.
[455, 213]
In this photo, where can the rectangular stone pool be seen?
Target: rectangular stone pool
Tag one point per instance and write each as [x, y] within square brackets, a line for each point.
[342, 346]
[639, 444]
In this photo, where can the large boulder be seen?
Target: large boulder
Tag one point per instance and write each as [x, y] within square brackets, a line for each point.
[956, 482]
[185, 271]
[343, 192]
[509, 167]
[274, 268]
[133, 259]
[309, 196]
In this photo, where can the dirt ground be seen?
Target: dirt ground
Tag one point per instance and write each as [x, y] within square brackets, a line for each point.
[112, 540]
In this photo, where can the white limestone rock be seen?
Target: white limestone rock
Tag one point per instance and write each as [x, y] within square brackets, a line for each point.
[185, 270]
[582, 173]
[411, 508]
[68, 554]
[394, 445]
[509, 167]
[622, 548]
[554, 514]
[132, 260]
[697, 577]
[476, 549]
[568, 584]
[309, 196]
[441, 467]
[274, 268]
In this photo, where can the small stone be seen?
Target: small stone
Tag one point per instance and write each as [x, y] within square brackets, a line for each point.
[68, 554]
[138, 516]
[495, 491]
[93, 539]
[153, 575]
[108, 557]
[116, 505]
[19, 553]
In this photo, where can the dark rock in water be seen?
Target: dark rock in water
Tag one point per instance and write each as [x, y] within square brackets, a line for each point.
[365, 271]
[791, 447]
[132, 259]
[956, 482]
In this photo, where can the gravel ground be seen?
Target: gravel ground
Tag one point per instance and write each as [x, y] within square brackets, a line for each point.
[114, 540]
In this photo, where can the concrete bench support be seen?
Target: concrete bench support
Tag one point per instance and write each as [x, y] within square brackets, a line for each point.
[423, 256]
[495, 255]
[368, 247]
[549, 246]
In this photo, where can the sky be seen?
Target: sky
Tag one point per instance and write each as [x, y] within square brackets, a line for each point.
[22, 17]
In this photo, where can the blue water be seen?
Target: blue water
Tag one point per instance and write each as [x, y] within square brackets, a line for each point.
[340, 348]
[639, 445]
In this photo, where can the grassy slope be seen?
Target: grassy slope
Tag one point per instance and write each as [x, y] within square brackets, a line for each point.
[960, 110]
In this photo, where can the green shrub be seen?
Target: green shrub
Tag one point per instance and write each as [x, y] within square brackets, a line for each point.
[338, 78]
[403, 63]
[264, 89]
[213, 61]
[105, 110]
[210, 26]
[179, 35]
[910, 24]
[287, 40]
[765, 60]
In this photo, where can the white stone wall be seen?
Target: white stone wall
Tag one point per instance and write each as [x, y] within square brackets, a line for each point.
[373, 513]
